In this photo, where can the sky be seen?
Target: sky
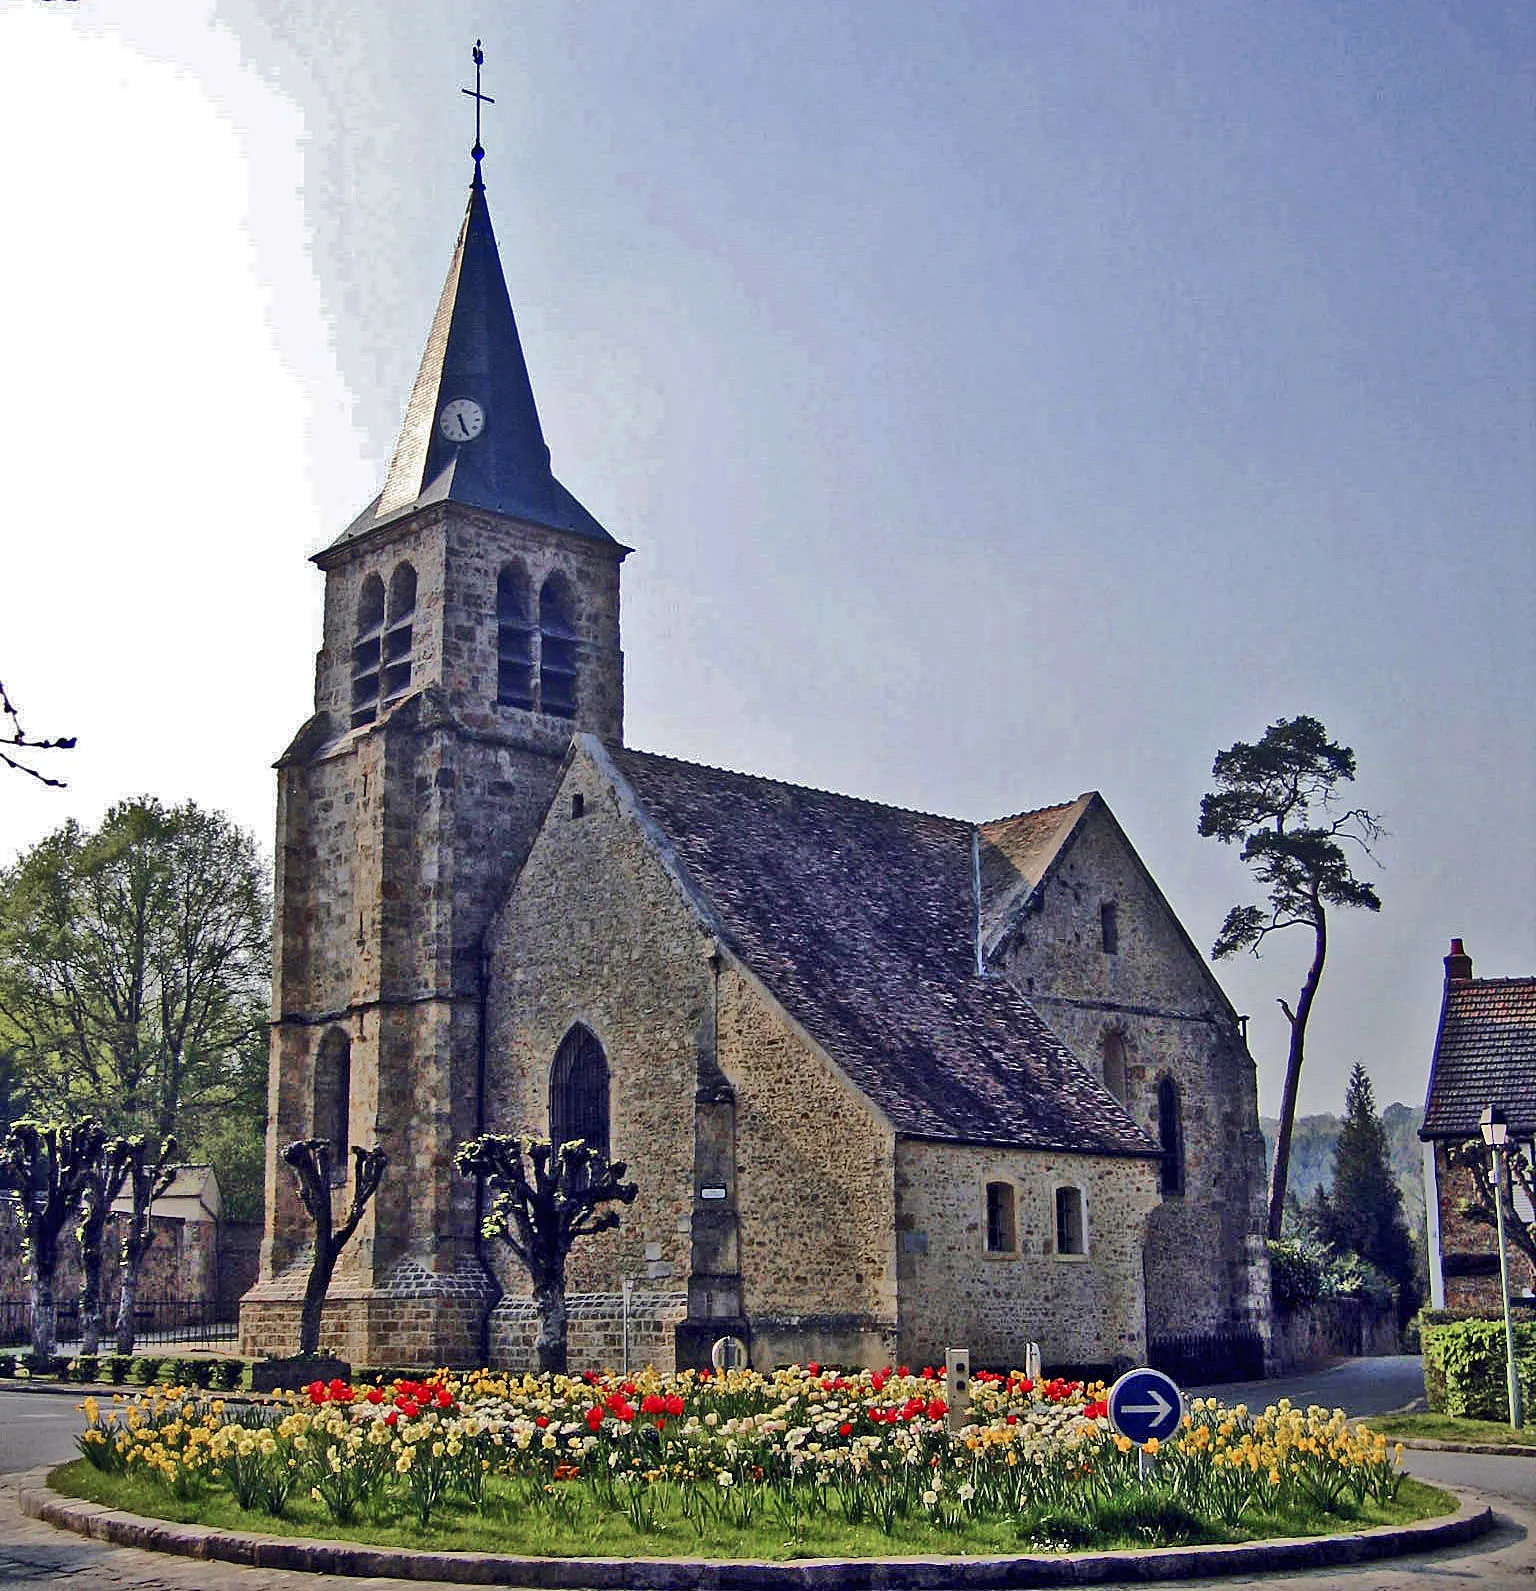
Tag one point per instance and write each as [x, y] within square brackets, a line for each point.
[1003, 399]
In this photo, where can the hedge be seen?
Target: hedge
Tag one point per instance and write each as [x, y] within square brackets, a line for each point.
[1465, 1369]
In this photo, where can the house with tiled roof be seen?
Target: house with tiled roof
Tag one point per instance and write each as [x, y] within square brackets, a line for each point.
[887, 1082]
[1485, 1054]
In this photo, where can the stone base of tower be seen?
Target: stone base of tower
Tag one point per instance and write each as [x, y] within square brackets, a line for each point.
[415, 1319]
[595, 1327]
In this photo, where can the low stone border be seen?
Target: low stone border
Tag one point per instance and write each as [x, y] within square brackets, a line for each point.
[808, 1574]
[1432, 1444]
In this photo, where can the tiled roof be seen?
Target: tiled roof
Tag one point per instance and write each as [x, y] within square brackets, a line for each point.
[859, 919]
[1485, 1054]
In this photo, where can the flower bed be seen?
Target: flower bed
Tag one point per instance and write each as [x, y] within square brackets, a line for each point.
[802, 1460]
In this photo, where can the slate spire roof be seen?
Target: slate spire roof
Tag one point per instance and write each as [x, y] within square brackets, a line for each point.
[474, 352]
[860, 921]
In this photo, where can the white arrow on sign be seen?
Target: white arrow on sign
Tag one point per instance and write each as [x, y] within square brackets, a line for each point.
[1159, 1408]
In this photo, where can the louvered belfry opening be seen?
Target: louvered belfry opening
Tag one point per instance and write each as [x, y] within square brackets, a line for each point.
[578, 1091]
[557, 648]
[366, 652]
[399, 633]
[514, 639]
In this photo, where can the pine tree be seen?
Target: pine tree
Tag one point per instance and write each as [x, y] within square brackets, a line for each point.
[1364, 1211]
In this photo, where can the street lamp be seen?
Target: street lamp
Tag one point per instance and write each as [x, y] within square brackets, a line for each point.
[1496, 1136]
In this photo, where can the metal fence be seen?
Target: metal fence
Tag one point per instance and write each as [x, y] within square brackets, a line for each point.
[158, 1322]
[1199, 1358]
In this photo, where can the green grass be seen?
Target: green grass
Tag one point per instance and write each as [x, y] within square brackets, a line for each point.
[1452, 1428]
[576, 1527]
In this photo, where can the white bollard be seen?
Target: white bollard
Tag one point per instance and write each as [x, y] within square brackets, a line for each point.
[957, 1386]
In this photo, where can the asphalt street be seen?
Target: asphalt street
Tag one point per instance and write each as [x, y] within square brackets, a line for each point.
[37, 1428]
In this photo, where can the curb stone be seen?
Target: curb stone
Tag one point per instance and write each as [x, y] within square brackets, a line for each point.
[1430, 1444]
[1470, 1521]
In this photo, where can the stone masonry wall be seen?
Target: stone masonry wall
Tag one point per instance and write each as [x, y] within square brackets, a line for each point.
[1081, 1310]
[1206, 1267]
[595, 932]
[1463, 1241]
[182, 1262]
[815, 1192]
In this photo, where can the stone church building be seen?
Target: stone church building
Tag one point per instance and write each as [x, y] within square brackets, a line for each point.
[888, 1082]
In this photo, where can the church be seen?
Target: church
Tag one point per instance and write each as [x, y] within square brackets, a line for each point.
[888, 1082]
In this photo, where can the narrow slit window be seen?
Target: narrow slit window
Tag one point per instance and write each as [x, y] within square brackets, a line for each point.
[578, 1091]
[514, 640]
[557, 649]
[1002, 1236]
[1170, 1136]
[366, 652]
[333, 1099]
[1114, 1064]
[1109, 928]
[399, 631]
[1070, 1235]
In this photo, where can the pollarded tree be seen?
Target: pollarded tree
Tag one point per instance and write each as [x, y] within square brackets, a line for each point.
[540, 1216]
[45, 1164]
[1279, 800]
[102, 1185]
[148, 1172]
[310, 1161]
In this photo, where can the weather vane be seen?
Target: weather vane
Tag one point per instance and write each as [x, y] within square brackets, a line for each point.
[480, 99]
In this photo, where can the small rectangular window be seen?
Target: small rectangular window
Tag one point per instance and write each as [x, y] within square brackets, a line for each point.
[1109, 928]
[578, 805]
[1001, 1236]
[1069, 1221]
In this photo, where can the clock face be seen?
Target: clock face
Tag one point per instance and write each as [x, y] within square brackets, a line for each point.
[462, 420]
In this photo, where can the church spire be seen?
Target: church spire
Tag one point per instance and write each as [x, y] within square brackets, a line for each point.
[471, 432]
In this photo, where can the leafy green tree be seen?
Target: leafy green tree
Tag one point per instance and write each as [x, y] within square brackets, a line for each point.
[45, 1164]
[1363, 1213]
[134, 971]
[1279, 800]
[540, 1216]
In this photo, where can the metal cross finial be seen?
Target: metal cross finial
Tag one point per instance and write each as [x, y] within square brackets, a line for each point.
[478, 55]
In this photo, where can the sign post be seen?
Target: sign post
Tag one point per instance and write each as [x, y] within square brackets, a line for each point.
[1145, 1405]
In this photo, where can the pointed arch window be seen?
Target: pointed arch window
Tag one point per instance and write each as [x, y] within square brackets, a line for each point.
[1170, 1136]
[514, 639]
[399, 631]
[557, 648]
[578, 1091]
[1114, 1063]
[367, 647]
[333, 1099]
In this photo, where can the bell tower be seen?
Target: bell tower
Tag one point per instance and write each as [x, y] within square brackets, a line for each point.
[471, 627]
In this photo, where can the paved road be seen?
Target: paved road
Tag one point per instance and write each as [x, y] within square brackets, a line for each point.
[1358, 1386]
[37, 1428]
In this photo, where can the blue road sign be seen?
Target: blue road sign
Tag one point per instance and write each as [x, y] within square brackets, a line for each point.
[1146, 1403]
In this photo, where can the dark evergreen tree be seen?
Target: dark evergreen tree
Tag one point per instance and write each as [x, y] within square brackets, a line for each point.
[1363, 1213]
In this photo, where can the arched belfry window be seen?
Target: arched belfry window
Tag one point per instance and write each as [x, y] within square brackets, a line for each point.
[514, 639]
[1114, 1063]
[1170, 1136]
[557, 648]
[578, 1091]
[366, 651]
[333, 1098]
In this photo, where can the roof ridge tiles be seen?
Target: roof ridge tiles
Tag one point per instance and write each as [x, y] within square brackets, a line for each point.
[1037, 812]
[806, 789]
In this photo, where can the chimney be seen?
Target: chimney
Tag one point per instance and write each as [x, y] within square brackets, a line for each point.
[1458, 965]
